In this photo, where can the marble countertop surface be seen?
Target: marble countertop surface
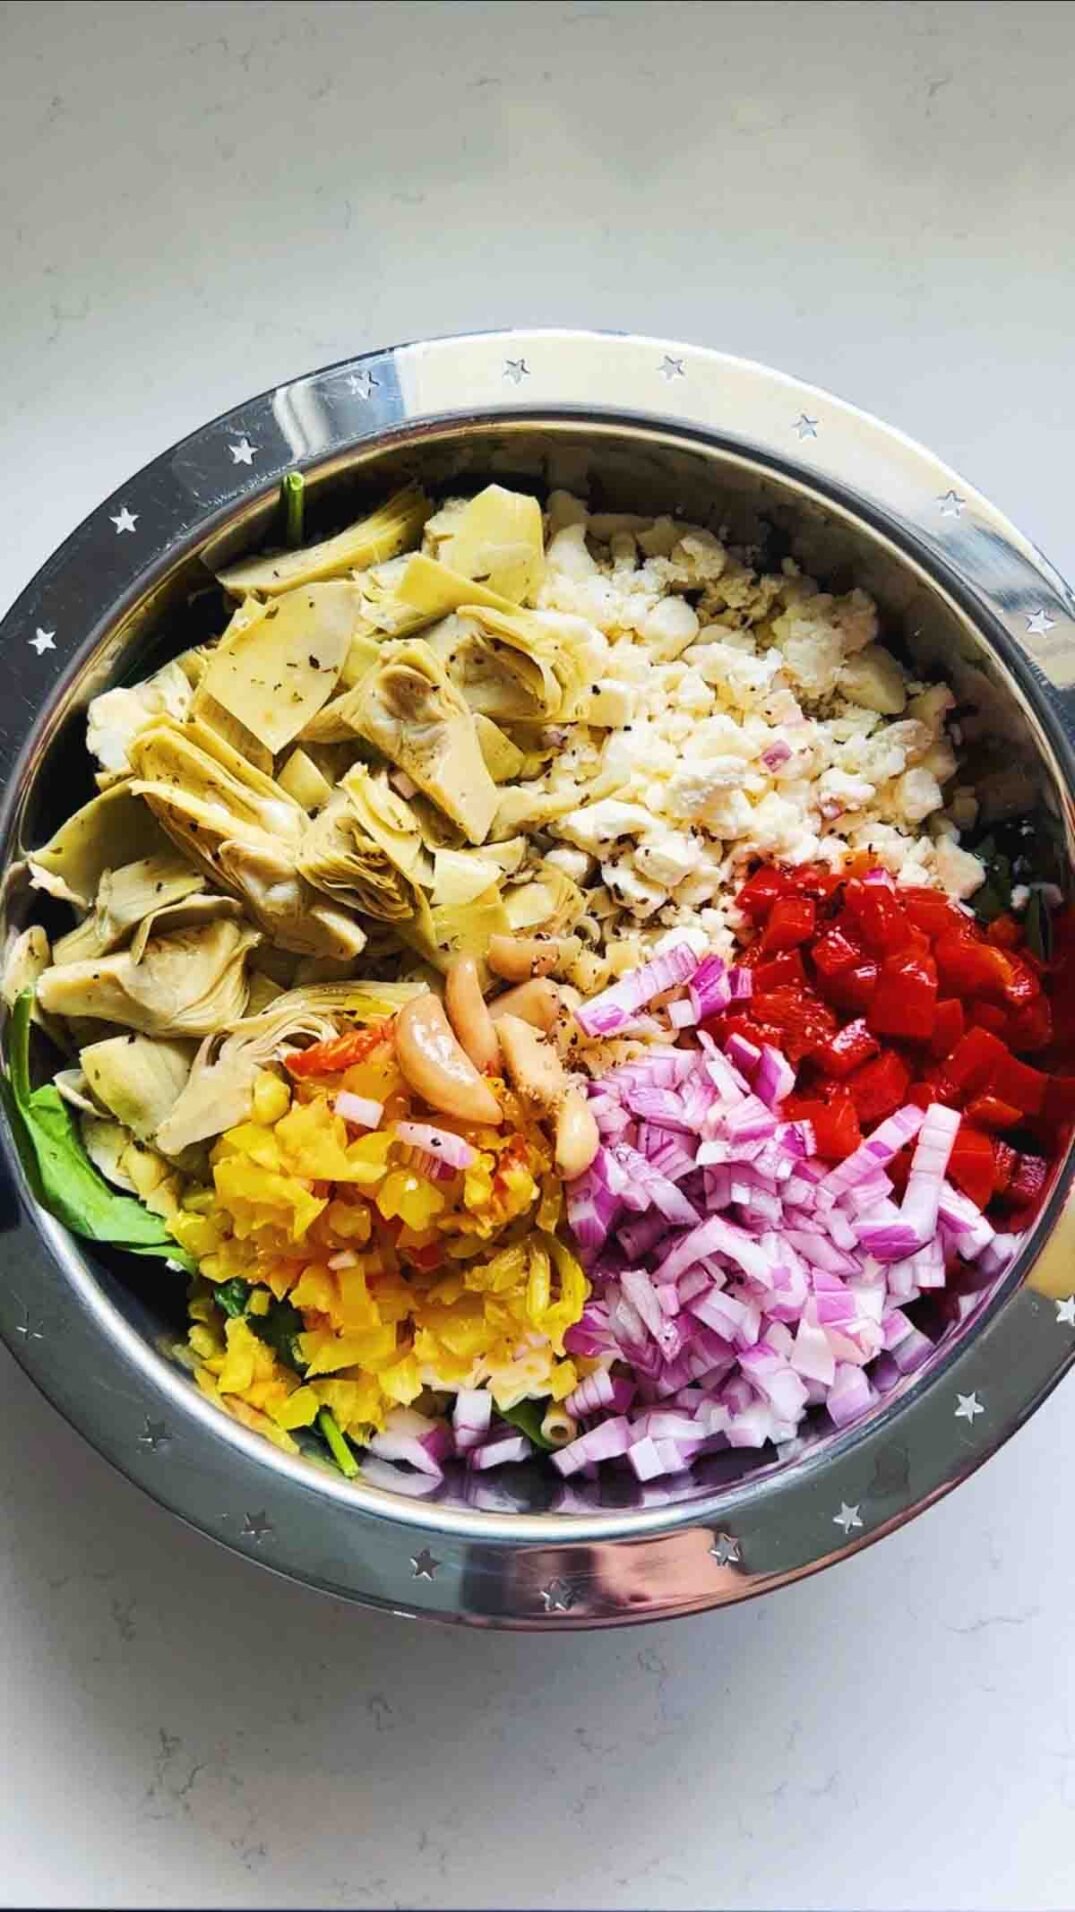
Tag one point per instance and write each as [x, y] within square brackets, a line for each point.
[197, 201]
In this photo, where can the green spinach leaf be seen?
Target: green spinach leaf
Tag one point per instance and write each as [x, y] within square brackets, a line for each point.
[527, 1416]
[60, 1172]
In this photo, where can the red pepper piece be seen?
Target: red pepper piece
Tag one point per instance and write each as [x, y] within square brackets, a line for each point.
[899, 1169]
[879, 1087]
[972, 1062]
[924, 1093]
[762, 890]
[989, 1015]
[853, 988]
[969, 968]
[803, 1019]
[929, 910]
[1004, 932]
[1030, 1028]
[1029, 1180]
[949, 1023]
[791, 921]
[883, 924]
[905, 1000]
[1018, 1083]
[339, 1052]
[1059, 1100]
[834, 953]
[781, 971]
[835, 1123]
[1005, 1159]
[990, 1112]
[848, 1049]
[972, 1165]
[1023, 986]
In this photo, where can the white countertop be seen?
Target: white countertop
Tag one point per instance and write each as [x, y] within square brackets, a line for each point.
[197, 201]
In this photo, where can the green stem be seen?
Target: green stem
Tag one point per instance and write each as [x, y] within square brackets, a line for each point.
[338, 1447]
[292, 491]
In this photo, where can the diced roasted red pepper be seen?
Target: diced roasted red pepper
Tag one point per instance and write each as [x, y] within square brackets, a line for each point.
[802, 1018]
[949, 1023]
[924, 1094]
[879, 1087]
[971, 1165]
[1018, 1083]
[339, 1052]
[1024, 985]
[970, 968]
[762, 890]
[972, 1062]
[834, 953]
[1004, 1164]
[1004, 932]
[1059, 1104]
[835, 1123]
[929, 910]
[990, 1112]
[1030, 1028]
[848, 1049]
[779, 972]
[989, 1015]
[1028, 1182]
[852, 988]
[791, 921]
[905, 1000]
[899, 1169]
[874, 908]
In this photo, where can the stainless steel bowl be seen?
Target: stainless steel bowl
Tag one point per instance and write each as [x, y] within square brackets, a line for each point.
[640, 423]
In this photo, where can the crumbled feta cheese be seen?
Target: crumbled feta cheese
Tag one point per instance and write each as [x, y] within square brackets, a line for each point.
[959, 872]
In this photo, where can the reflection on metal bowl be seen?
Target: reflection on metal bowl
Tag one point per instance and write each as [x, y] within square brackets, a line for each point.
[640, 425]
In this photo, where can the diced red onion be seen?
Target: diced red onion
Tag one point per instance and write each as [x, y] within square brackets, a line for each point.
[606, 1014]
[499, 1451]
[359, 1109]
[442, 1143]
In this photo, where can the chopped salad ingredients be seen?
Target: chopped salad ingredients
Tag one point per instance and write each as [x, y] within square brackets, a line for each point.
[521, 972]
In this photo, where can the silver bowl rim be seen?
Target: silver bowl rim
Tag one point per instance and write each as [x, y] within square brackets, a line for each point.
[492, 1568]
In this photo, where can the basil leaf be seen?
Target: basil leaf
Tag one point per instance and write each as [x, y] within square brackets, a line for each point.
[60, 1172]
[527, 1416]
[232, 1296]
[278, 1329]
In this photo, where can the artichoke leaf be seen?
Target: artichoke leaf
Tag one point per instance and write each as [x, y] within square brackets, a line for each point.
[459, 876]
[112, 829]
[284, 905]
[503, 759]
[125, 897]
[408, 708]
[193, 760]
[547, 901]
[440, 934]
[106, 1143]
[499, 539]
[527, 806]
[232, 730]
[183, 914]
[498, 681]
[137, 1079]
[186, 984]
[219, 1090]
[72, 1085]
[383, 534]
[115, 718]
[566, 650]
[276, 673]
[27, 959]
[302, 779]
[366, 846]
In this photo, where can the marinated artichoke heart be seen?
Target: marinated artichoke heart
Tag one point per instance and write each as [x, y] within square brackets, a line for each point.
[408, 708]
[188, 773]
[524, 666]
[371, 540]
[284, 905]
[130, 1165]
[503, 759]
[219, 1089]
[138, 1079]
[275, 673]
[115, 718]
[499, 539]
[548, 900]
[186, 984]
[27, 959]
[110, 830]
[366, 847]
[125, 898]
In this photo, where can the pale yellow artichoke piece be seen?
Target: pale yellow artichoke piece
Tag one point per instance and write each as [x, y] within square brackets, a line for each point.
[362, 654]
[461, 875]
[184, 914]
[383, 534]
[498, 680]
[284, 905]
[276, 673]
[430, 589]
[219, 1091]
[193, 759]
[27, 959]
[137, 1079]
[72, 1085]
[499, 540]
[441, 934]
[548, 901]
[527, 807]
[503, 759]
[561, 647]
[112, 829]
[408, 708]
[115, 718]
[233, 732]
[186, 984]
[106, 1143]
[302, 779]
[366, 847]
[125, 897]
